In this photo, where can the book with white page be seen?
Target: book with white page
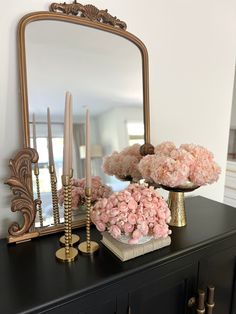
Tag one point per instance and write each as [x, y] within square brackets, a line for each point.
[128, 251]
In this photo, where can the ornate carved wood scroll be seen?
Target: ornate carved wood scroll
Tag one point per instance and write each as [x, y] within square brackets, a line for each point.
[88, 11]
[23, 201]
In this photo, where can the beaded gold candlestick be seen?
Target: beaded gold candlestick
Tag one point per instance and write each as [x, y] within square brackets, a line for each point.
[73, 238]
[67, 253]
[88, 247]
[39, 207]
[55, 208]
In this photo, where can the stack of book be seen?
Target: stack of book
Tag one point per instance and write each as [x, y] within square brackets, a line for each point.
[127, 251]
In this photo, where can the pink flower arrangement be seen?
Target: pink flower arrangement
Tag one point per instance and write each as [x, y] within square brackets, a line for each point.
[189, 165]
[99, 190]
[124, 165]
[136, 211]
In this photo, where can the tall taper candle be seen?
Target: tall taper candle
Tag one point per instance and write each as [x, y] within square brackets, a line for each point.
[71, 132]
[34, 132]
[88, 151]
[50, 149]
[66, 147]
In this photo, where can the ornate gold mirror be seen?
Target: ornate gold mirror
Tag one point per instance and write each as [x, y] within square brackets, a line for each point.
[86, 51]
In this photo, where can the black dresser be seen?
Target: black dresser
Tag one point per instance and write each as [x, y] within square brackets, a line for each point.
[161, 282]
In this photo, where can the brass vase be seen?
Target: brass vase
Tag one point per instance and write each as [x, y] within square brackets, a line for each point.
[176, 204]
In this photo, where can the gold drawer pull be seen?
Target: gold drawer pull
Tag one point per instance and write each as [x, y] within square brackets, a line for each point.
[201, 302]
[210, 299]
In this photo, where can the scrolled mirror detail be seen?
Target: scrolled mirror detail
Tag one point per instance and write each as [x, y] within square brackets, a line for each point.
[88, 11]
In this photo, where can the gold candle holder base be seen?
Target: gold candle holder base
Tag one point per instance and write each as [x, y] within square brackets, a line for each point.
[74, 240]
[84, 248]
[177, 207]
[63, 256]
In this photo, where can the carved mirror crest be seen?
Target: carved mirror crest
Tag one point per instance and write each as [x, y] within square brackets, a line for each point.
[87, 51]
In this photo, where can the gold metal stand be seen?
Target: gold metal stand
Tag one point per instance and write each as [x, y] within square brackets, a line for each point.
[39, 207]
[67, 253]
[55, 207]
[88, 247]
[177, 207]
[73, 238]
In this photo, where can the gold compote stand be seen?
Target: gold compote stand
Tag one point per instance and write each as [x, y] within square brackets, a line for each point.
[176, 203]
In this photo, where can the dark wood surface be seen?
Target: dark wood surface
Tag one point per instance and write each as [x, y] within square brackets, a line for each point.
[31, 279]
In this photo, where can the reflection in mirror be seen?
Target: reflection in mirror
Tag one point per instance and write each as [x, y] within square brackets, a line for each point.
[103, 71]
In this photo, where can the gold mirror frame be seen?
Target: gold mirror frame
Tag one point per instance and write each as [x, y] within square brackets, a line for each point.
[86, 15]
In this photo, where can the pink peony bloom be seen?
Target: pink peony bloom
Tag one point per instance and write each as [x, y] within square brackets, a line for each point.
[138, 210]
[128, 228]
[143, 228]
[123, 207]
[100, 226]
[160, 231]
[136, 234]
[104, 218]
[132, 204]
[132, 218]
[114, 231]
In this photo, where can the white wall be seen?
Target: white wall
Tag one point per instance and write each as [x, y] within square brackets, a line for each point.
[233, 110]
[191, 46]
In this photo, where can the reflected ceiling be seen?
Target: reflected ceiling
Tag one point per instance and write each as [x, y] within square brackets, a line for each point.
[98, 68]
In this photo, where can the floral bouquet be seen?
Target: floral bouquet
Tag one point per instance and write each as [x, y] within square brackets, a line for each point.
[124, 165]
[99, 190]
[136, 211]
[188, 166]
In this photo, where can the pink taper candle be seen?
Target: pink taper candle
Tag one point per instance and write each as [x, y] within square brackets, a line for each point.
[34, 132]
[88, 151]
[66, 148]
[71, 132]
[50, 148]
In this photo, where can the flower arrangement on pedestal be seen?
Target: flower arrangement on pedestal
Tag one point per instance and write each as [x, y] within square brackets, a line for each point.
[136, 211]
[99, 190]
[179, 170]
[124, 165]
[189, 165]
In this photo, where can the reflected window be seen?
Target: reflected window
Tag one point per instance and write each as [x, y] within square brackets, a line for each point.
[135, 133]
[44, 176]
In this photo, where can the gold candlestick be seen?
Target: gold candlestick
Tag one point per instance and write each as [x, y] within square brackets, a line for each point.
[39, 207]
[55, 207]
[88, 247]
[67, 253]
[73, 238]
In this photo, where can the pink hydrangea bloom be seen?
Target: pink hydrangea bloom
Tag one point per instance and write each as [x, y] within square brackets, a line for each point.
[99, 190]
[136, 212]
[188, 165]
[124, 164]
[164, 148]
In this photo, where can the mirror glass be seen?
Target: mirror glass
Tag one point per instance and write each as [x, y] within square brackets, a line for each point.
[103, 72]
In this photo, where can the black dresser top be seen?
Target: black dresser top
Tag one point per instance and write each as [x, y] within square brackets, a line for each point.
[31, 277]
